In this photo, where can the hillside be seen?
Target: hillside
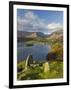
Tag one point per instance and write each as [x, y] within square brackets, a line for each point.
[56, 42]
[55, 37]
[24, 34]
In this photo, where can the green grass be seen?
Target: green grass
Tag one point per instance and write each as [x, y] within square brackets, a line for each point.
[33, 73]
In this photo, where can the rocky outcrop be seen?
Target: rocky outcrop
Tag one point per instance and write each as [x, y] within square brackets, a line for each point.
[29, 61]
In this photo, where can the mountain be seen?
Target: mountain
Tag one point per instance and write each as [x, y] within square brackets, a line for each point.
[23, 34]
[58, 35]
[56, 39]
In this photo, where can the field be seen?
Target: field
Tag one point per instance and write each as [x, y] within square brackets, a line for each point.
[37, 72]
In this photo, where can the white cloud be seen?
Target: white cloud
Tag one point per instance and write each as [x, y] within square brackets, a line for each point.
[31, 22]
[54, 27]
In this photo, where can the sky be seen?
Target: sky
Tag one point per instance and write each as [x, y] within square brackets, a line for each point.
[45, 21]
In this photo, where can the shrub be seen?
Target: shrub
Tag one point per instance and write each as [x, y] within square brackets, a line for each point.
[51, 56]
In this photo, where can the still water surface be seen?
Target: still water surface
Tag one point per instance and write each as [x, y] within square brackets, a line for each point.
[38, 51]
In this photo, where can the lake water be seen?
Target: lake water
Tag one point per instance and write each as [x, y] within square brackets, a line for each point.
[38, 51]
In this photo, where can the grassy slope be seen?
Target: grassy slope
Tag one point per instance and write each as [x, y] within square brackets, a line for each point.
[56, 69]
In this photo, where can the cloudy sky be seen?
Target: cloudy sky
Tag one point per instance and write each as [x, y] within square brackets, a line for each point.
[39, 20]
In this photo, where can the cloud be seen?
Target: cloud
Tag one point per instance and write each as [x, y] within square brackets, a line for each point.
[31, 22]
[54, 27]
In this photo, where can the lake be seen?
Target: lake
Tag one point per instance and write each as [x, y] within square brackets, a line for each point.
[38, 51]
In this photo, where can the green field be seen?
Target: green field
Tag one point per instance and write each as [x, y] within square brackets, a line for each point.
[37, 72]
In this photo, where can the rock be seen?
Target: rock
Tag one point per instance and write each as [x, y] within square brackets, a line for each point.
[29, 61]
[46, 66]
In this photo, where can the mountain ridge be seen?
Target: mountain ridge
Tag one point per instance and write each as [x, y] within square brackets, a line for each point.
[26, 34]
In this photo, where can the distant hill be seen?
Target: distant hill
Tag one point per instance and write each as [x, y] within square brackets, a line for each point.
[58, 35]
[24, 34]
